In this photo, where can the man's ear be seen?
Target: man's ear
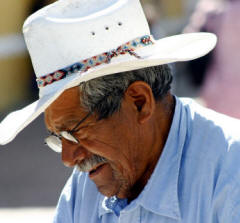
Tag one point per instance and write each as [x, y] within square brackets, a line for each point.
[139, 95]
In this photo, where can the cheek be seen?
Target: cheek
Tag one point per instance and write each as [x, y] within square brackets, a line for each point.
[106, 150]
[118, 158]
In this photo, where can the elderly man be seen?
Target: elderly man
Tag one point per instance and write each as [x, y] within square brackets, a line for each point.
[141, 154]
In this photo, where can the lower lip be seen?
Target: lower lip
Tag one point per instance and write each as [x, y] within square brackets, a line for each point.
[98, 171]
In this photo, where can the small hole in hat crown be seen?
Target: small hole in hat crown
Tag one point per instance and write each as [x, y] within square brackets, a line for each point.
[93, 33]
[107, 28]
[119, 23]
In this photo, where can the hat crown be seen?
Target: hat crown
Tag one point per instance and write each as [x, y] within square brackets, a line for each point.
[70, 8]
[69, 31]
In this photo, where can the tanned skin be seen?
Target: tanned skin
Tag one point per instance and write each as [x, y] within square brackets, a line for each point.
[132, 139]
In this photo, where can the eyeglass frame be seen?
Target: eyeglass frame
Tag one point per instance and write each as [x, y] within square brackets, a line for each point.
[68, 135]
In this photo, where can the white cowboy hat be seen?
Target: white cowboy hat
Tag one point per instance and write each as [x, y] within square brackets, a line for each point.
[71, 41]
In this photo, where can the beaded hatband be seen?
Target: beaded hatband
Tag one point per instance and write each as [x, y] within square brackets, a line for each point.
[86, 64]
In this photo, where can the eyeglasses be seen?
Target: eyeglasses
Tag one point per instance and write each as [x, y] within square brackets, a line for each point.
[54, 141]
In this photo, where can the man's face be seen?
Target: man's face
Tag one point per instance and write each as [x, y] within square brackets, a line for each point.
[117, 139]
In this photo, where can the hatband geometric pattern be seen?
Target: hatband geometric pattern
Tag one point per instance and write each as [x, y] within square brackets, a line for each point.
[86, 64]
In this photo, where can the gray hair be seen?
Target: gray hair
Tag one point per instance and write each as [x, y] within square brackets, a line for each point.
[104, 95]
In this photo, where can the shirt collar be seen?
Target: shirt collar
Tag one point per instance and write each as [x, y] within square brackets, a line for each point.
[160, 195]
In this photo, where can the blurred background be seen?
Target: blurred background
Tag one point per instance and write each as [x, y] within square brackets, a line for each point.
[32, 176]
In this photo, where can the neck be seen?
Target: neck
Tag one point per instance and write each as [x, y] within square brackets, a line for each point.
[161, 125]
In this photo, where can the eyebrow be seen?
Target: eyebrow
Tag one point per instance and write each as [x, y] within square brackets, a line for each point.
[65, 125]
[75, 122]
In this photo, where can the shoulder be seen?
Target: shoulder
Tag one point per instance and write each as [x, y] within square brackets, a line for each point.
[213, 148]
[214, 134]
[213, 139]
[219, 125]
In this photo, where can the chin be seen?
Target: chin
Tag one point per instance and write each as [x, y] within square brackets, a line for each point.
[108, 190]
[111, 190]
[110, 183]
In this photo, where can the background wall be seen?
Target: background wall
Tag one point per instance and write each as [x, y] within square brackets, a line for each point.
[30, 174]
[15, 69]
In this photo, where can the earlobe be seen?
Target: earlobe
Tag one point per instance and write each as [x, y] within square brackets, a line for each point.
[142, 99]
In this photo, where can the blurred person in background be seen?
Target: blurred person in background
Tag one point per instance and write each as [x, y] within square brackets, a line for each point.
[217, 74]
[140, 153]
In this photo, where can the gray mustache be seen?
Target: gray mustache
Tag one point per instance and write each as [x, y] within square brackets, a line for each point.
[87, 164]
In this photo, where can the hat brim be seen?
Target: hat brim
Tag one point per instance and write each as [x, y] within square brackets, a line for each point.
[177, 48]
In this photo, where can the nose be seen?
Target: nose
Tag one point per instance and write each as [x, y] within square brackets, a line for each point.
[72, 153]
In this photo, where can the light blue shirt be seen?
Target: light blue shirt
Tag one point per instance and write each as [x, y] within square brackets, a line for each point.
[196, 180]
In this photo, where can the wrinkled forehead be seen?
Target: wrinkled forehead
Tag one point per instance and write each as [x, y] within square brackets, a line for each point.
[65, 109]
[67, 99]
